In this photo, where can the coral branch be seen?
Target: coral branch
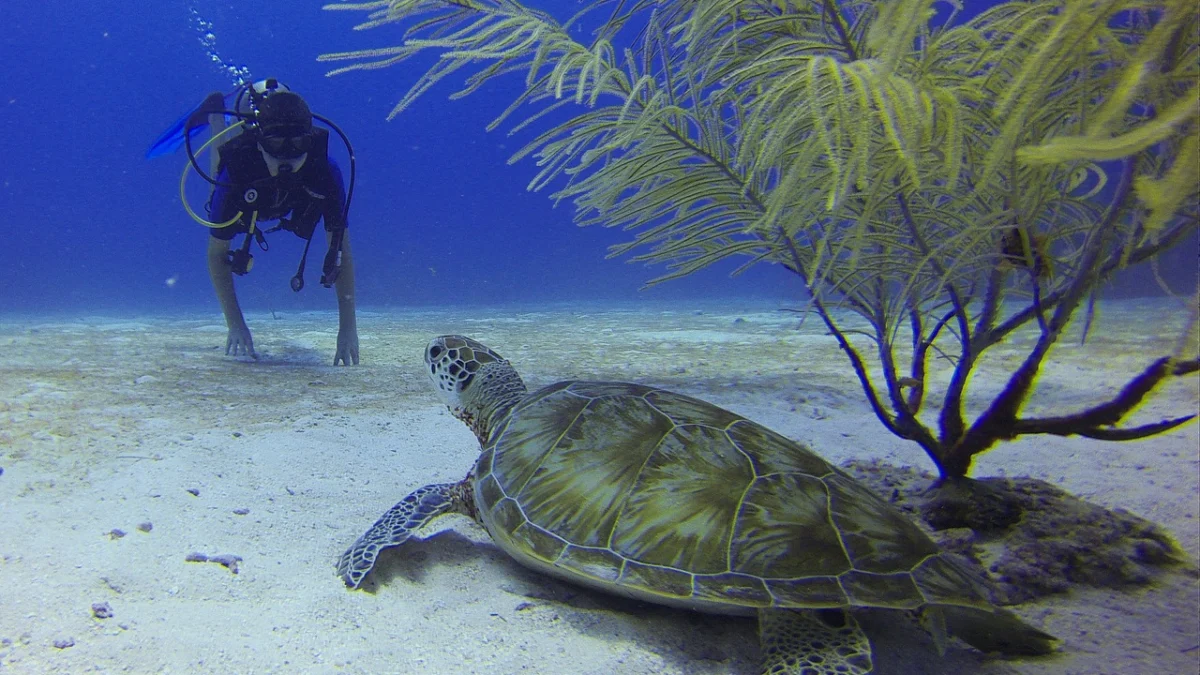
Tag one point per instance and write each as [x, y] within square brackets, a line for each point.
[1134, 433]
[1092, 422]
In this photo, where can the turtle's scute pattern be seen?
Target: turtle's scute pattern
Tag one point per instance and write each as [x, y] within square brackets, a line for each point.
[775, 453]
[681, 512]
[741, 589]
[941, 580]
[897, 590]
[673, 498]
[593, 562]
[823, 591]
[876, 535]
[658, 580]
[783, 530]
[578, 485]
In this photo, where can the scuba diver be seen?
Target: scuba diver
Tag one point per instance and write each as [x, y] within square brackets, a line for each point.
[270, 163]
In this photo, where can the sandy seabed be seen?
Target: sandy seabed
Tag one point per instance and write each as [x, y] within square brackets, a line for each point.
[141, 425]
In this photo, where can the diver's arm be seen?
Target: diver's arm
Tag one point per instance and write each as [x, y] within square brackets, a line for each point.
[238, 342]
[347, 340]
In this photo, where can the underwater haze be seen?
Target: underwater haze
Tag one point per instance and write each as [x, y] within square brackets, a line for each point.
[987, 442]
[438, 216]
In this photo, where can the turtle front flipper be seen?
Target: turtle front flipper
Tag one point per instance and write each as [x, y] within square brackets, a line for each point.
[396, 526]
[821, 642]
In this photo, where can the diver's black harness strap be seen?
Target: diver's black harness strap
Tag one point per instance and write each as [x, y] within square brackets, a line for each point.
[332, 268]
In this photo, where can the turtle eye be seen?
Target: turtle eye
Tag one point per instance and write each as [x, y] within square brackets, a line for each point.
[435, 351]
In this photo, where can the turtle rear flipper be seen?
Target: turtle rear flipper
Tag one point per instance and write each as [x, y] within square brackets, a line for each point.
[396, 526]
[820, 642]
[996, 630]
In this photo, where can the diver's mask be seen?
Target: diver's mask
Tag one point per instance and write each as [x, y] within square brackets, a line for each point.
[285, 148]
[288, 146]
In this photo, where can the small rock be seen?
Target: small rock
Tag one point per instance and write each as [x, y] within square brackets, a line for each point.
[115, 533]
[101, 610]
[145, 379]
[64, 643]
[241, 511]
[145, 527]
[194, 492]
[230, 561]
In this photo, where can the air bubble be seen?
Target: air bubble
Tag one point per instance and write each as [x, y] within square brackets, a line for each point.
[207, 36]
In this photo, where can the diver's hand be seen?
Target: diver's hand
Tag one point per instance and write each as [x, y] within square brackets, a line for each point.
[347, 347]
[239, 342]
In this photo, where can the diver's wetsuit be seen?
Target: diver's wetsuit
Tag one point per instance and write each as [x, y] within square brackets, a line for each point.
[314, 192]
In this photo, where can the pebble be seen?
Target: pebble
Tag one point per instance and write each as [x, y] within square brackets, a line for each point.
[226, 559]
[101, 610]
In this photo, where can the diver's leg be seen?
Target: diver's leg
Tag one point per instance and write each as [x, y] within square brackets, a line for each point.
[238, 342]
[347, 340]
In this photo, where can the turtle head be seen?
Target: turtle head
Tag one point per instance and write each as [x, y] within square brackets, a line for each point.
[477, 384]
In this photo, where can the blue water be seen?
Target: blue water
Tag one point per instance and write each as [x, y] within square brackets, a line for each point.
[438, 215]
[106, 423]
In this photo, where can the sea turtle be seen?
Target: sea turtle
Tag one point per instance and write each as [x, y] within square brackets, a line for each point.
[653, 495]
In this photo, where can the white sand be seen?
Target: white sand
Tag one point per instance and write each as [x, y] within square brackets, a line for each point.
[107, 423]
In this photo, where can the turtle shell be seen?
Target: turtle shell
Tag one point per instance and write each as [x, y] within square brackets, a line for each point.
[666, 498]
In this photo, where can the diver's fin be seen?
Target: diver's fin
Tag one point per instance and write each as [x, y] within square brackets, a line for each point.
[170, 140]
